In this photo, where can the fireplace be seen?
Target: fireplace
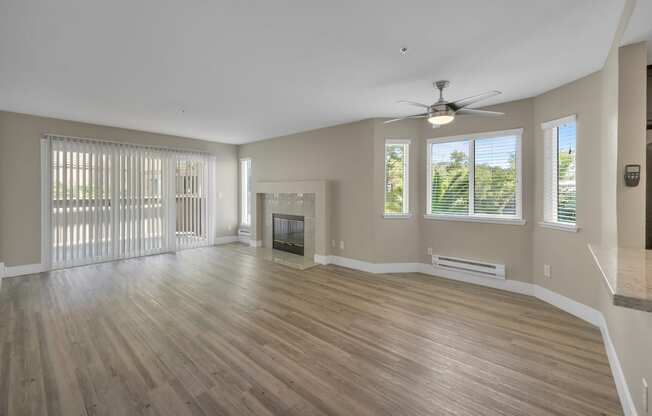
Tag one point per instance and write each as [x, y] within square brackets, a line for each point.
[287, 233]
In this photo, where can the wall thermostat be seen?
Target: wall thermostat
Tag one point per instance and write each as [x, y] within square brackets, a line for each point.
[632, 175]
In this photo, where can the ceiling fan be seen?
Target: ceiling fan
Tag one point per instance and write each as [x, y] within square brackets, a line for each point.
[443, 112]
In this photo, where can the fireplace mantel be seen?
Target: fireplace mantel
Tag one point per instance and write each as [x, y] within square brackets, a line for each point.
[319, 188]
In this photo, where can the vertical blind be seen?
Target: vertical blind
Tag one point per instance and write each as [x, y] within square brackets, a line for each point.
[559, 188]
[192, 197]
[110, 201]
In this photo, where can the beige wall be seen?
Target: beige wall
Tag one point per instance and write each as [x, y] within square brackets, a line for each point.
[20, 170]
[341, 155]
[396, 239]
[609, 147]
[351, 157]
[632, 116]
[498, 243]
[566, 252]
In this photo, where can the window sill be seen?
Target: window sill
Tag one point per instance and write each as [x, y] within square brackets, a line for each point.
[571, 228]
[397, 216]
[466, 218]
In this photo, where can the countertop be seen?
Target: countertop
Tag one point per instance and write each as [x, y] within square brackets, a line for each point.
[628, 274]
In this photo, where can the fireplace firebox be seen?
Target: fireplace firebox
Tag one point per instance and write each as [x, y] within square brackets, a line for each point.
[287, 233]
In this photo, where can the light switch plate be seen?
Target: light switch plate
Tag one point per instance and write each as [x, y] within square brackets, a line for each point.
[546, 270]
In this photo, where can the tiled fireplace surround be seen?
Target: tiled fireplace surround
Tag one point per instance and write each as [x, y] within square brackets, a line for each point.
[306, 198]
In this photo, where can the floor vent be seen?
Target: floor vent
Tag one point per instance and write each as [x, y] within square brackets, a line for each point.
[469, 266]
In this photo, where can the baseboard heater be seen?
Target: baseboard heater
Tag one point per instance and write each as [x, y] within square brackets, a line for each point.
[469, 266]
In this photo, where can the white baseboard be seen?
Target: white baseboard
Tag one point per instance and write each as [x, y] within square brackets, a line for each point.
[370, 267]
[511, 285]
[226, 239]
[242, 238]
[584, 312]
[13, 271]
[321, 259]
[624, 394]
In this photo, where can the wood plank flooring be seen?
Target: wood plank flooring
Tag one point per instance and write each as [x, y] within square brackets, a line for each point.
[217, 331]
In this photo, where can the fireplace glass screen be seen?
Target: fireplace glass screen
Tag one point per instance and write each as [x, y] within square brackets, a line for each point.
[287, 233]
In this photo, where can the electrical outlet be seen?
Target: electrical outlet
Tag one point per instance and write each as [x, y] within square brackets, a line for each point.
[430, 251]
[333, 243]
[645, 397]
[342, 245]
[546, 271]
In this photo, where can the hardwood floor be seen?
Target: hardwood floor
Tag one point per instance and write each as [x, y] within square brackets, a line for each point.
[217, 331]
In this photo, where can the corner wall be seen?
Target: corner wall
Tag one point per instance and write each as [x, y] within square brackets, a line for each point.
[342, 155]
[573, 271]
[632, 118]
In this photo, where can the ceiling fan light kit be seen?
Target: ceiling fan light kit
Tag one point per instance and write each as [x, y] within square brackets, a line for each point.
[444, 112]
[443, 116]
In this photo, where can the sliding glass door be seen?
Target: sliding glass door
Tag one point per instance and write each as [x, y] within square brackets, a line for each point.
[109, 201]
[191, 189]
[81, 203]
[140, 208]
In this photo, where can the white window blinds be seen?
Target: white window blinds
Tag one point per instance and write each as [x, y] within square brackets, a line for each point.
[476, 176]
[495, 176]
[559, 187]
[449, 172]
[245, 192]
[109, 200]
[397, 184]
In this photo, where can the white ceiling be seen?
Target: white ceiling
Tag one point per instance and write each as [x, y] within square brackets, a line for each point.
[639, 27]
[249, 70]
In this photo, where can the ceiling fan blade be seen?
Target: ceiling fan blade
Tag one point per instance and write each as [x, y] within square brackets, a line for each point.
[413, 103]
[406, 118]
[465, 102]
[473, 112]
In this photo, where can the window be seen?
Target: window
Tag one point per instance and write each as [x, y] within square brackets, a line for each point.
[107, 201]
[559, 187]
[476, 177]
[397, 185]
[245, 192]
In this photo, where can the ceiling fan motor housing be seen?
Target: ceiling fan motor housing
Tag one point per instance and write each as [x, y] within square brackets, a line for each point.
[440, 85]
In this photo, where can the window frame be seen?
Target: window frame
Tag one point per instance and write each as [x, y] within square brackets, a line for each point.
[244, 193]
[516, 219]
[406, 179]
[546, 222]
